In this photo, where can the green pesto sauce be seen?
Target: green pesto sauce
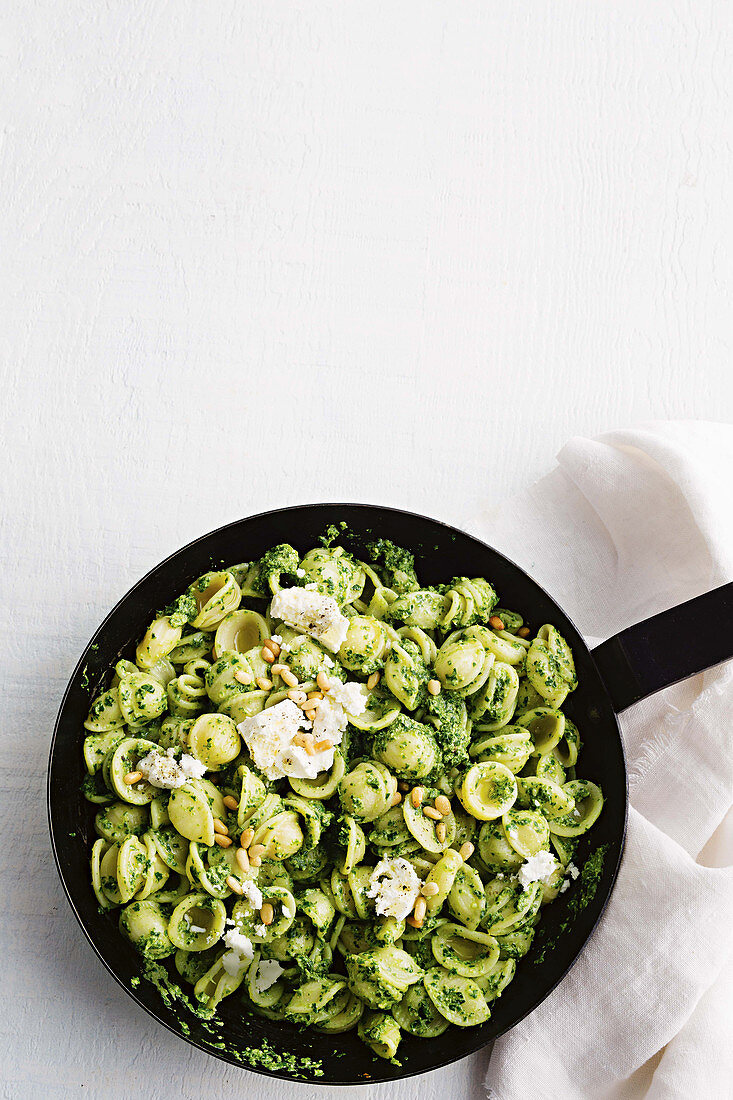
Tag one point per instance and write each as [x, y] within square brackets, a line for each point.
[332, 533]
[580, 899]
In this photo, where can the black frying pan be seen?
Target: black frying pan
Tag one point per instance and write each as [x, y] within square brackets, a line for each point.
[637, 662]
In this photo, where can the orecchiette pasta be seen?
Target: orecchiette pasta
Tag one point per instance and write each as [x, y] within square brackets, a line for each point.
[351, 823]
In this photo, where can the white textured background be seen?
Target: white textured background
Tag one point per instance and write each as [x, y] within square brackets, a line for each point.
[258, 253]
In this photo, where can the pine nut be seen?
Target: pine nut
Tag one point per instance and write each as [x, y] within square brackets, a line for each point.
[220, 827]
[421, 908]
[234, 884]
[310, 707]
[416, 797]
[414, 922]
[432, 813]
[271, 645]
[289, 678]
[246, 838]
[496, 623]
[430, 889]
[442, 804]
[255, 861]
[466, 850]
[242, 677]
[223, 841]
[230, 802]
[132, 777]
[267, 913]
[321, 746]
[257, 850]
[297, 696]
[434, 687]
[373, 681]
[523, 632]
[440, 832]
[277, 670]
[397, 798]
[315, 694]
[242, 859]
[323, 681]
[267, 655]
[263, 683]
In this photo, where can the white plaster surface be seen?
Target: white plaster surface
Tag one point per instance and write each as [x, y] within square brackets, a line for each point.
[262, 253]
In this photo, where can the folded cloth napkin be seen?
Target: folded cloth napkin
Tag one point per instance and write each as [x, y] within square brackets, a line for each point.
[628, 525]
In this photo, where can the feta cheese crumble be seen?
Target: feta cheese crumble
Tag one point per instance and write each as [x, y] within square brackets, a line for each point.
[269, 737]
[253, 894]
[332, 714]
[288, 909]
[312, 612]
[240, 949]
[272, 735]
[161, 769]
[395, 887]
[268, 972]
[538, 868]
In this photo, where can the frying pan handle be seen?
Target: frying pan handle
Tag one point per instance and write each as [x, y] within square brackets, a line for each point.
[666, 648]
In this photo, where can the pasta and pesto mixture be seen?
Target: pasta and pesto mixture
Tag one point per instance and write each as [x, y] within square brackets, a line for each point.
[337, 794]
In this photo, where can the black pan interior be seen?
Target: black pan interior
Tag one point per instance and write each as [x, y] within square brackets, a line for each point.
[441, 552]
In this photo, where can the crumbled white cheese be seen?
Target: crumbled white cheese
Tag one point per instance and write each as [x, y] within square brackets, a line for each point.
[236, 941]
[538, 868]
[253, 894]
[312, 612]
[277, 639]
[300, 573]
[161, 769]
[270, 735]
[240, 949]
[351, 696]
[332, 714]
[269, 738]
[395, 887]
[301, 764]
[288, 909]
[268, 972]
[572, 870]
[191, 768]
[565, 886]
[260, 930]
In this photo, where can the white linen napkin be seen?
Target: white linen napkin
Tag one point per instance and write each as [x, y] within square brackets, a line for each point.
[628, 525]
